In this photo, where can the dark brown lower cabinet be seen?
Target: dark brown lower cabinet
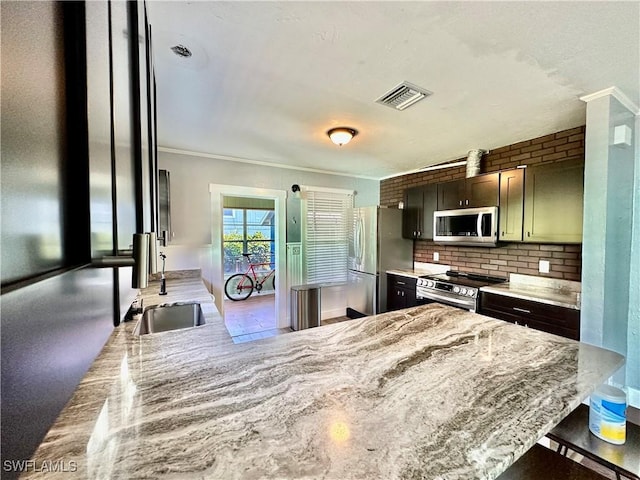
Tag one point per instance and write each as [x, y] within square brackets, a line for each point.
[401, 292]
[541, 316]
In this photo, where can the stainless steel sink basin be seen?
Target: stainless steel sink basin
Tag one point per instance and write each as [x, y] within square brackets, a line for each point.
[162, 318]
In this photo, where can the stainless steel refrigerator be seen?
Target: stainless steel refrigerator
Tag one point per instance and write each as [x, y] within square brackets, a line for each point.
[375, 245]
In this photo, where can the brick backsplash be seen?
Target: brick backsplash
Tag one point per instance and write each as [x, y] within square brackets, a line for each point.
[565, 260]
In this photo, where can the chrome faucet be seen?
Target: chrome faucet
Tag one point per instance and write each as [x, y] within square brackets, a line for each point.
[163, 281]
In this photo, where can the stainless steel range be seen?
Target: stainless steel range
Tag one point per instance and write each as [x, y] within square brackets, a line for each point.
[458, 289]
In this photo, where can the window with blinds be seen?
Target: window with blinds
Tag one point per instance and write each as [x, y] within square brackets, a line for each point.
[325, 234]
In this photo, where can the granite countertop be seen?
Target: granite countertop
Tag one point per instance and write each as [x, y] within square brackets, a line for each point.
[420, 270]
[428, 392]
[562, 293]
[183, 285]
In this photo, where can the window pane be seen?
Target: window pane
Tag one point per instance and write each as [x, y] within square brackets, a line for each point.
[262, 251]
[325, 236]
[258, 233]
[259, 217]
[234, 262]
[233, 230]
[232, 216]
[254, 236]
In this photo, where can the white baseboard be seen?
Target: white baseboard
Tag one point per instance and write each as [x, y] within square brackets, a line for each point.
[333, 313]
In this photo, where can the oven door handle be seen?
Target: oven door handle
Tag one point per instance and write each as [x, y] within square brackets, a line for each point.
[435, 296]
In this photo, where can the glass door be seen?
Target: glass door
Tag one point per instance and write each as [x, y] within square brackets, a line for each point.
[252, 231]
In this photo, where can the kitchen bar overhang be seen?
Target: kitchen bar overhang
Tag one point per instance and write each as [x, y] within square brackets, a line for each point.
[431, 391]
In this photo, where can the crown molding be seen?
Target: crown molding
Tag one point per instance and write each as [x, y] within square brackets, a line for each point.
[228, 158]
[616, 93]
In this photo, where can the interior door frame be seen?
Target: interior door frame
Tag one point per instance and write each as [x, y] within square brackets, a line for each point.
[218, 192]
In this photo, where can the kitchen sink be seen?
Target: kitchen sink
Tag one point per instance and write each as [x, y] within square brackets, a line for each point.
[165, 317]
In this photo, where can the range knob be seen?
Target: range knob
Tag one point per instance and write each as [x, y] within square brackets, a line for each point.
[463, 291]
[456, 289]
[431, 283]
[471, 293]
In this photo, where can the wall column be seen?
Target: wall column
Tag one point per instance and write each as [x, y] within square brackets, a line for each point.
[609, 300]
[633, 330]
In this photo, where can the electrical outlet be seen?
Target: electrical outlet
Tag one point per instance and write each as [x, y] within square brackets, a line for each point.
[543, 266]
[436, 256]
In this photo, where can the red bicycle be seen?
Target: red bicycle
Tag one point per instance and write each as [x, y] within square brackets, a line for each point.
[241, 285]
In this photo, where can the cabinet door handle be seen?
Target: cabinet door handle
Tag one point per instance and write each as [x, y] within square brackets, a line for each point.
[521, 310]
[528, 234]
[466, 202]
[419, 233]
[460, 203]
[503, 234]
[400, 283]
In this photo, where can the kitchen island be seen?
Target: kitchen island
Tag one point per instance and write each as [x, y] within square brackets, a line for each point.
[426, 392]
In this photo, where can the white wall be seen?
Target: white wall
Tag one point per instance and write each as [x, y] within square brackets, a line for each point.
[191, 217]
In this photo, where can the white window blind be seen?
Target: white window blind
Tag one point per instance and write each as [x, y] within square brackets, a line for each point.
[325, 238]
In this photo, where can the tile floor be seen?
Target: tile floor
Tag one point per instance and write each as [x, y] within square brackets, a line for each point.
[254, 318]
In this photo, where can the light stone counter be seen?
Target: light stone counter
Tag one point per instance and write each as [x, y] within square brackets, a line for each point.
[428, 392]
[182, 285]
[420, 270]
[562, 293]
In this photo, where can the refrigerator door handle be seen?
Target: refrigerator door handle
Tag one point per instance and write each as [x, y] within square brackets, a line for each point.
[358, 234]
[362, 240]
[359, 240]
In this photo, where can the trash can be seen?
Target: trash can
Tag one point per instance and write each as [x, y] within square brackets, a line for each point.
[305, 306]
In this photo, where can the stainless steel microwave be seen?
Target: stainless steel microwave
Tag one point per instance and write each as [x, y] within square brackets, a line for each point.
[467, 226]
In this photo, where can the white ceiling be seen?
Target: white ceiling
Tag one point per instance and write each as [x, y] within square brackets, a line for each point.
[268, 79]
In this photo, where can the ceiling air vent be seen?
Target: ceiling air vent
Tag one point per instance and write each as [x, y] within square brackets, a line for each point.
[181, 51]
[403, 96]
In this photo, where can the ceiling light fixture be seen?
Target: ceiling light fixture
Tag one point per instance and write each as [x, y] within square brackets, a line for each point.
[341, 135]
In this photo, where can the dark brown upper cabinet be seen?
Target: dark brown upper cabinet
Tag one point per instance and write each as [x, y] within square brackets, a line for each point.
[511, 205]
[417, 216]
[478, 191]
[553, 202]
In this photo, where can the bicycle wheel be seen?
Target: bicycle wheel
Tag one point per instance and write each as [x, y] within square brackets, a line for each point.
[238, 287]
